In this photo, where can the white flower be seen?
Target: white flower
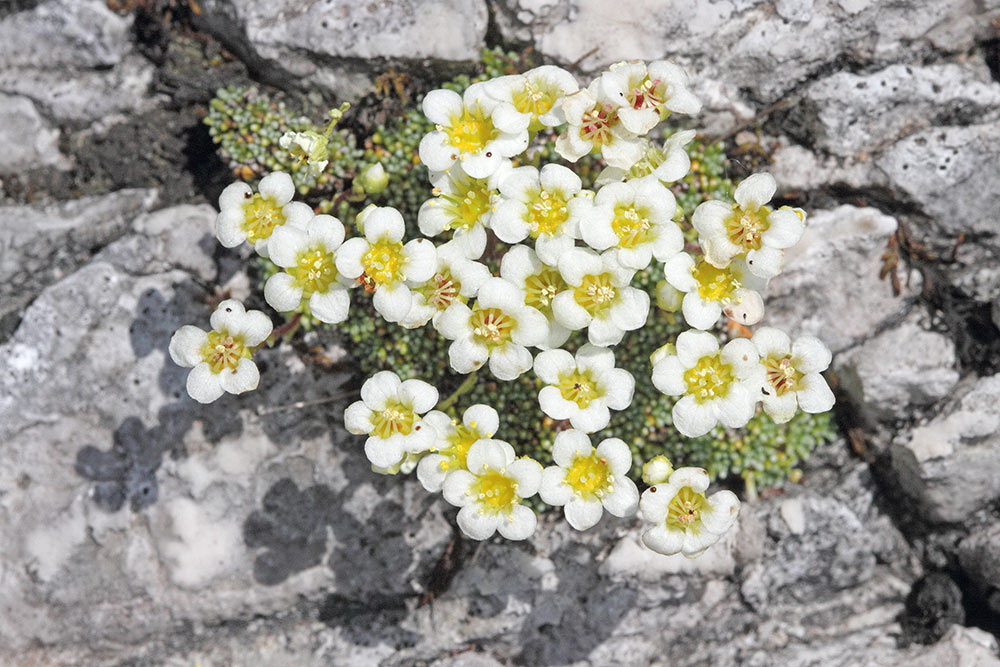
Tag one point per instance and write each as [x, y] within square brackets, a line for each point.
[383, 264]
[462, 205]
[636, 218]
[310, 272]
[680, 519]
[248, 216]
[668, 164]
[749, 227]
[715, 386]
[221, 359]
[582, 389]
[309, 147]
[792, 374]
[389, 414]
[537, 94]
[545, 205]
[474, 130]
[647, 95]
[540, 284]
[588, 481]
[479, 422]
[593, 126]
[490, 492]
[657, 470]
[711, 291]
[498, 328]
[599, 297]
[455, 278]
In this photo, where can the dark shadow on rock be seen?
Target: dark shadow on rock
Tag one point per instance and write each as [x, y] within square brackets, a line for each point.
[932, 607]
[369, 622]
[127, 471]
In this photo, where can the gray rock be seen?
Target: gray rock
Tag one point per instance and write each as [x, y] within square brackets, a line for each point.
[28, 140]
[850, 115]
[951, 464]
[830, 285]
[307, 40]
[39, 246]
[900, 369]
[979, 555]
[968, 647]
[64, 33]
[953, 175]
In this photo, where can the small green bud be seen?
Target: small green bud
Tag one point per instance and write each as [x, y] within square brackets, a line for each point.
[656, 470]
[373, 178]
[662, 352]
[668, 297]
[359, 220]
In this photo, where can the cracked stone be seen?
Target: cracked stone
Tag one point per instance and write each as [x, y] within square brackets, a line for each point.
[28, 139]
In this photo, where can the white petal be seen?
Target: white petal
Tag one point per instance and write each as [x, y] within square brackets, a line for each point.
[624, 500]
[785, 228]
[569, 445]
[393, 301]
[509, 362]
[557, 178]
[281, 293]
[487, 454]
[593, 418]
[358, 418]
[234, 196]
[583, 514]
[810, 354]
[431, 473]
[456, 487]
[482, 418]
[552, 403]
[771, 342]
[741, 354]
[384, 222]
[244, 378]
[454, 321]
[519, 524]
[553, 490]
[185, 346]
[420, 395]
[436, 152]
[203, 385]
[568, 312]
[331, 307]
[693, 419]
[766, 262]
[725, 508]
[579, 262]
[481, 165]
[348, 258]
[699, 313]
[663, 540]
[678, 272]
[693, 345]
[385, 452]
[228, 316]
[736, 409]
[604, 331]
[755, 191]
[779, 408]
[528, 475]
[549, 365]
[477, 525]
[421, 260]
[631, 309]
[379, 389]
[499, 293]
[465, 355]
[228, 228]
[508, 221]
[277, 185]
[696, 478]
[814, 394]
[285, 244]
[617, 454]
[668, 376]
[441, 105]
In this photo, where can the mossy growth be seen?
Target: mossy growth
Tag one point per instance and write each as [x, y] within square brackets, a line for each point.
[762, 453]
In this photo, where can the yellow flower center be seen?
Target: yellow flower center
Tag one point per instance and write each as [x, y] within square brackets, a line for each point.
[394, 418]
[632, 226]
[547, 211]
[491, 326]
[579, 387]
[646, 93]
[782, 375]
[223, 351]
[495, 492]
[710, 378]
[595, 293]
[261, 215]
[590, 477]
[596, 124]
[540, 288]
[457, 450]
[535, 98]
[746, 228]
[314, 271]
[471, 130]
[384, 262]
[684, 511]
[470, 200]
[441, 290]
[714, 284]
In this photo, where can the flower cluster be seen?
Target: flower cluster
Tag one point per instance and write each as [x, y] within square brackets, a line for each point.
[522, 257]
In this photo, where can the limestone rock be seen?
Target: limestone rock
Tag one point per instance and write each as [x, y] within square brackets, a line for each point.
[951, 464]
[830, 285]
[979, 555]
[29, 141]
[900, 369]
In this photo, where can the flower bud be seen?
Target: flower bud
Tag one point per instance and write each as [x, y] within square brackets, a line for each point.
[656, 470]
[668, 297]
[374, 179]
[662, 352]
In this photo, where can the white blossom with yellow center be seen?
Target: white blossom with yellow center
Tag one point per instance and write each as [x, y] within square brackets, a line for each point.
[710, 292]
[473, 130]
[588, 481]
[389, 413]
[221, 360]
[464, 206]
[498, 328]
[383, 264]
[456, 278]
[715, 386]
[489, 492]
[540, 283]
[245, 215]
[599, 297]
[583, 388]
[792, 374]
[537, 94]
[454, 438]
[307, 147]
[546, 205]
[593, 126]
[680, 518]
[645, 95]
[634, 218]
[307, 256]
[668, 163]
[749, 227]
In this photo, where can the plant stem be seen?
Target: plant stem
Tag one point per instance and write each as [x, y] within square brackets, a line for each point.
[463, 388]
[287, 328]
